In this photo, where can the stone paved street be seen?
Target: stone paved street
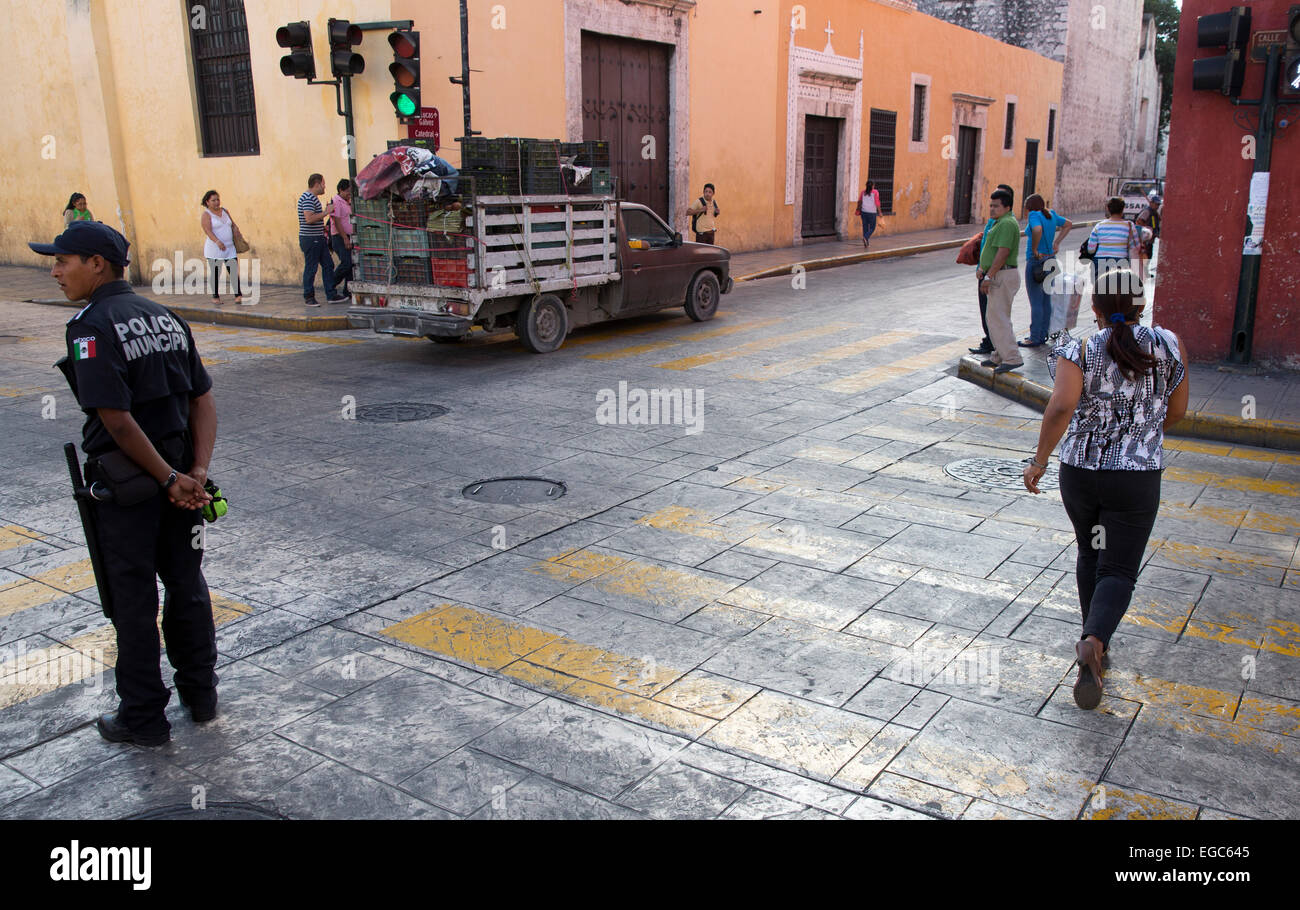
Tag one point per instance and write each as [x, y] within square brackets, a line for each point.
[781, 608]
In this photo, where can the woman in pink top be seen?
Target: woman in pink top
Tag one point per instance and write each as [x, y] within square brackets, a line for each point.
[342, 233]
[869, 209]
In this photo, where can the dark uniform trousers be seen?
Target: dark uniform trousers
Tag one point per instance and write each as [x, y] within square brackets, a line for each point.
[138, 542]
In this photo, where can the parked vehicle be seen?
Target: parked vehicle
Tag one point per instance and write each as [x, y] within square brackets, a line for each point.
[1134, 191]
[540, 266]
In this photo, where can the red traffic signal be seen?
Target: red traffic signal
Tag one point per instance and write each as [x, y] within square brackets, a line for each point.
[299, 62]
[343, 35]
[1230, 30]
[405, 70]
[1291, 62]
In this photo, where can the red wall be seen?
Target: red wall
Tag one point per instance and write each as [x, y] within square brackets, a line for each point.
[1206, 191]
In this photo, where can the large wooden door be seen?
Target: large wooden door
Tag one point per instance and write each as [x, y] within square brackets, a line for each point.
[625, 102]
[1031, 168]
[820, 169]
[965, 184]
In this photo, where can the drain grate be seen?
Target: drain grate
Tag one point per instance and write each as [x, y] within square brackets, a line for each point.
[514, 490]
[399, 412]
[210, 812]
[1003, 473]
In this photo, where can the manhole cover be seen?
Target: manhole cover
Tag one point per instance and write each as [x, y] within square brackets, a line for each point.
[210, 812]
[514, 490]
[399, 412]
[1003, 473]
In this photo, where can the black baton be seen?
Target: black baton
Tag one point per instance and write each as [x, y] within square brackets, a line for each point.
[85, 496]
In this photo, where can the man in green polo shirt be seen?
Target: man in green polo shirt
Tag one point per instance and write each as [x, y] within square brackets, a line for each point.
[1000, 280]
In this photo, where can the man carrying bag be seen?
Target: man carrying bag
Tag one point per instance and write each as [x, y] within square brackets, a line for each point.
[149, 432]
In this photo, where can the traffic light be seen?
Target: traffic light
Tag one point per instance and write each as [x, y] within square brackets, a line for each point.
[299, 62]
[1291, 62]
[406, 72]
[1230, 30]
[343, 35]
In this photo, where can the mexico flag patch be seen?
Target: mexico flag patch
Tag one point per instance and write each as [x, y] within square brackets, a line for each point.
[83, 348]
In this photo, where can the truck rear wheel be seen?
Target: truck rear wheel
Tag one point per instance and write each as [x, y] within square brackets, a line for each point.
[702, 297]
[542, 324]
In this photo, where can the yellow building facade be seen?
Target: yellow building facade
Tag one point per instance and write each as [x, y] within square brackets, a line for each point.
[788, 108]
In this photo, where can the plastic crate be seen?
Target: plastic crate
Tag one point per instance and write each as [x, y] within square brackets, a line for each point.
[370, 209]
[451, 273]
[601, 181]
[489, 183]
[410, 243]
[491, 154]
[547, 182]
[374, 267]
[410, 214]
[372, 237]
[411, 270]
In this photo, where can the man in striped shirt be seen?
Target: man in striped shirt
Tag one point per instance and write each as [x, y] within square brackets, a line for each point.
[311, 240]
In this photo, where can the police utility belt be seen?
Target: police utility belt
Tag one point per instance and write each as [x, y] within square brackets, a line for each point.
[126, 482]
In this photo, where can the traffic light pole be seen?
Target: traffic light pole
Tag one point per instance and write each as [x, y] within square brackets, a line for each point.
[463, 81]
[1243, 323]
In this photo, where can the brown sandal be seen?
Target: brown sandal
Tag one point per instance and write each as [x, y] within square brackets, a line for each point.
[1087, 688]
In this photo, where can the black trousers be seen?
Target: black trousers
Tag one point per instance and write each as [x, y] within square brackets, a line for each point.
[137, 543]
[1113, 513]
[984, 320]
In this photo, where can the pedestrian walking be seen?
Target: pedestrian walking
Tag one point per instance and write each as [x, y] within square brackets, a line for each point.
[1115, 394]
[986, 344]
[342, 233]
[219, 247]
[149, 432]
[311, 239]
[76, 210]
[703, 216]
[869, 209]
[1149, 221]
[1115, 243]
[1041, 248]
[1000, 280]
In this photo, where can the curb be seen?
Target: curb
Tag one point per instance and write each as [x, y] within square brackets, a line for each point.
[239, 316]
[1265, 434]
[830, 262]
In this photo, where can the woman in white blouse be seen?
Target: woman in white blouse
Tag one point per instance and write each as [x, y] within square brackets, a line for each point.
[219, 247]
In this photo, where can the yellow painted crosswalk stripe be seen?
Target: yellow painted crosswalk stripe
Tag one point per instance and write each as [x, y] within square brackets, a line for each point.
[799, 364]
[762, 344]
[12, 536]
[623, 330]
[1232, 482]
[683, 338]
[304, 337]
[867, 379]
[31, 673]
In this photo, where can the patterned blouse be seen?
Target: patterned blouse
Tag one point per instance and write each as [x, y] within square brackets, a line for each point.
[1119, 423]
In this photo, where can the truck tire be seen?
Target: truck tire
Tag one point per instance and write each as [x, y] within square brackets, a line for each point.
[542, 324]
[702, 297]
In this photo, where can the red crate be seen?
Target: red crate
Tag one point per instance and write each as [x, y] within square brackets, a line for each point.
[451, 273]
[410, 214]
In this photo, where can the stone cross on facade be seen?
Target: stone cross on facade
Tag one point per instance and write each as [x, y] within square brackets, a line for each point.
[829, 31]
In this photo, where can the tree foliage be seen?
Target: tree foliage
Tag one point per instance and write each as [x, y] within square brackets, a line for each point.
[1166, 14]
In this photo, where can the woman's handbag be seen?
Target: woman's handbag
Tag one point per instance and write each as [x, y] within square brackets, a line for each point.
[969, 254]
[241, 245]
[1039, 270]
[1084, 252]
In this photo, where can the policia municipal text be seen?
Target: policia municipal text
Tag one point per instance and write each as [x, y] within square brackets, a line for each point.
[149, 432]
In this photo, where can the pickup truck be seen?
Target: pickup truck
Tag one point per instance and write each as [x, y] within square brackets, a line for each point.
[1134, 191]
[543, 266]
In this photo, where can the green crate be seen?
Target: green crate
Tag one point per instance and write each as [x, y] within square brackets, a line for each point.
[601, 181]
[372, 237]
[412, 270]
[410, 243]
[376, 267]
[373, 210]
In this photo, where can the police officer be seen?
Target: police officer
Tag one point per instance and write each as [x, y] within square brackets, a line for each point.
[149, 411]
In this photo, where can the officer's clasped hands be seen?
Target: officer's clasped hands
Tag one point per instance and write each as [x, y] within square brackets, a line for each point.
[188, 493]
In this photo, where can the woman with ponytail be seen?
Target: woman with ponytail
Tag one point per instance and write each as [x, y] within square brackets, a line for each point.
[1115, 394]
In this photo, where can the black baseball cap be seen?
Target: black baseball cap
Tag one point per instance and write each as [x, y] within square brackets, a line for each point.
[87, 238]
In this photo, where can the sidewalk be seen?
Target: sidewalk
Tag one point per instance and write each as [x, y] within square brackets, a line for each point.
[1218, 407]
[280, 306]
[830, 254]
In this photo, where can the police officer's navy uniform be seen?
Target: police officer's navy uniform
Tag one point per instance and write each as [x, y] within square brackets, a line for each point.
[126, 352]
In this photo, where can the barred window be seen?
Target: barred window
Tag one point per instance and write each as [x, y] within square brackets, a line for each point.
[223, 80]
[918, 113]
[880, 158]
[1009, 140]
[1051, 129]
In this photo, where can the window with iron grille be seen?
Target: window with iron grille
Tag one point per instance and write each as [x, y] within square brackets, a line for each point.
[1008, 141]
[880, 158]
[1051, 129]
[918, 113]
[223, 81]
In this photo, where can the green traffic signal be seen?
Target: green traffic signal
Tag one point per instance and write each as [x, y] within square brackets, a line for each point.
[403, 103]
